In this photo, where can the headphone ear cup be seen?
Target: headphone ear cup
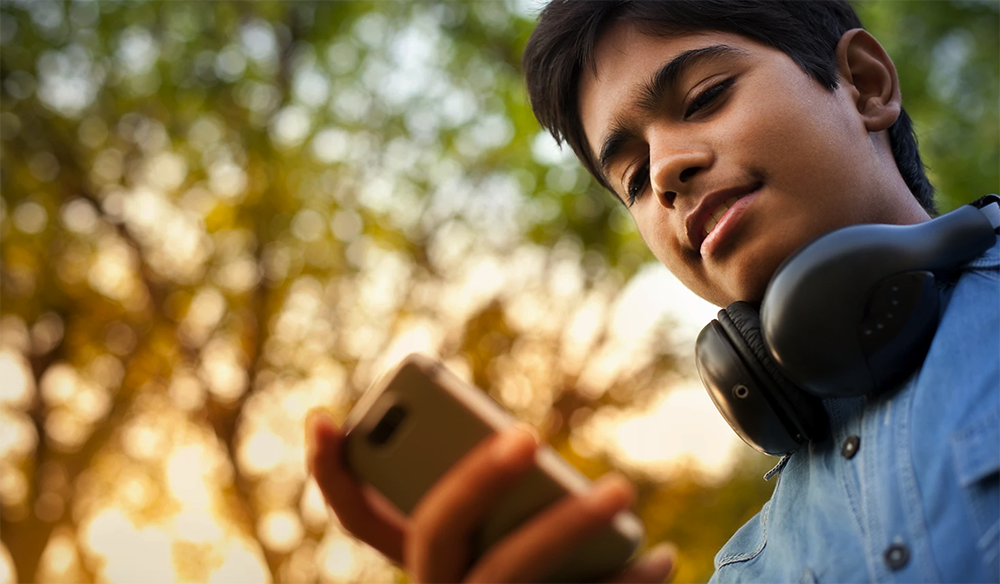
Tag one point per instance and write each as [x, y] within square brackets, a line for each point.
[804, 412]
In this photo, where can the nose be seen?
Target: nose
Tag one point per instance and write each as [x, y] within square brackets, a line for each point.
[672, 166]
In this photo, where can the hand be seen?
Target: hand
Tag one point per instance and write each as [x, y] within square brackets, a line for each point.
[433, 545]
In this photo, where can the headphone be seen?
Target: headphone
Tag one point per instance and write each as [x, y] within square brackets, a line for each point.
[853, 313]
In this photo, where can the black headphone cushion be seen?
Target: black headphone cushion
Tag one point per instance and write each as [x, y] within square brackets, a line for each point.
[741, 321]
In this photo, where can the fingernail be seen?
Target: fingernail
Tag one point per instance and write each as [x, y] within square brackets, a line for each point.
[515, 445]
[612, 490]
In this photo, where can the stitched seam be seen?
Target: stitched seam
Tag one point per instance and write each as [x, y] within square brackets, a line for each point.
[913, 511]
[970, 437]
[964, 438]
[871, 422]
[989, 536]
[837, 420]
[837, 415]
[991, 556]
[987, 421]
[777, 468]
[987, 260]
[742, 557]
[987, 542]
[808, 577]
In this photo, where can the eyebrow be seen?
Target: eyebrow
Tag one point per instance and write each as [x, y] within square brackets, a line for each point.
[652, 93]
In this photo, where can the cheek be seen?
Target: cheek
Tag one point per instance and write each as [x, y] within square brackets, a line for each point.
[797, 123]
[656, 234]
[655, 231]
[660, 240]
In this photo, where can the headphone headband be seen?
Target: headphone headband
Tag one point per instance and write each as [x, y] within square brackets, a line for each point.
[850, 314]
[857, 282]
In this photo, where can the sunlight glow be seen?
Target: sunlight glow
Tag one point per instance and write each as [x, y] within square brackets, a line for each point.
[134, 532]
[339, 562]
[66, 430]
[301, 566]
[415, 336]
[581, 333]
[261, 452]
[137, 491]
[312, 506]
[17, 435]
[16, 384]
[14, 334]
[342, 559]
[143, 442]
[60, 561]
[654, 294]
[102, 533]
[144, 556]
[241, 566]
[196, 526]
[480, 279]
[113, 271]
[186, 390]
[59, 384]
[224, 371]
[683, 427]
[7, 573]
[13, 486]
[203, 314]
[281, 531]
[187, 471]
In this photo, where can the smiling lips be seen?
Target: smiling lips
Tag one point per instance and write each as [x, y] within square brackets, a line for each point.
[718, 211]
[714, 219]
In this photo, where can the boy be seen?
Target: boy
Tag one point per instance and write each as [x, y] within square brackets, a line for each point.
[736, 132]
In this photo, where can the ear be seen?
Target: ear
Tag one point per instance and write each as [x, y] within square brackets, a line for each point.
[868, 73]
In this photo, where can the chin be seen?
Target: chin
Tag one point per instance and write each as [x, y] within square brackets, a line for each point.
[753, 295]
[751, 283]
[745, 275]
[746, 287]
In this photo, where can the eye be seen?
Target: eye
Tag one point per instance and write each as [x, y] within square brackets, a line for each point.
[707, 97]
[636, 183]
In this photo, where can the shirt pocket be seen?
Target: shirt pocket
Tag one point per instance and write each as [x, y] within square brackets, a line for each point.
[976, 452]
[747, 543]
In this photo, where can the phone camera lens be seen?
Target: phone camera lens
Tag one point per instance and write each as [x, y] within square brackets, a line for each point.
[387, 426]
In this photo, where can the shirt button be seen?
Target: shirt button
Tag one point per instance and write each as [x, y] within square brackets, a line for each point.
[896, 556]
[850, 447]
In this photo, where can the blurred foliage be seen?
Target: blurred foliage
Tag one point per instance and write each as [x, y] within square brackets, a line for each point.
[216, 215]
[946, 57]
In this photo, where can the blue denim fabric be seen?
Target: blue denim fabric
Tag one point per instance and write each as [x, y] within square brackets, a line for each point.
[926, 477]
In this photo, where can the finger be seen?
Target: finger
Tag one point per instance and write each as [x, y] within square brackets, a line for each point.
[345, 494]
[438, 548]
[532, 551]
[656, 565]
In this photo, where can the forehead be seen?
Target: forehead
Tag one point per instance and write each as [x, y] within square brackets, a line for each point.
[625, 60]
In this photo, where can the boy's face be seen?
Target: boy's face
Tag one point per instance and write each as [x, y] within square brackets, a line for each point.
[739, 126]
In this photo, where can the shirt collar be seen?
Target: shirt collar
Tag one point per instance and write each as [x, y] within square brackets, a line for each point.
[989, 259]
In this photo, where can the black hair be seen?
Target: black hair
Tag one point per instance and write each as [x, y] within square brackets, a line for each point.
[563, 42]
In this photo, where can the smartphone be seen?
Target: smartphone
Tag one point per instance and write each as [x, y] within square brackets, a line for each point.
[420, 419]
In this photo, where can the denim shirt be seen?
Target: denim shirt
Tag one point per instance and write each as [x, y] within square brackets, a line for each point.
[907, 488]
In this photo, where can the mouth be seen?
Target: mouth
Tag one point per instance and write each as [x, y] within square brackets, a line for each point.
[715, 213]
